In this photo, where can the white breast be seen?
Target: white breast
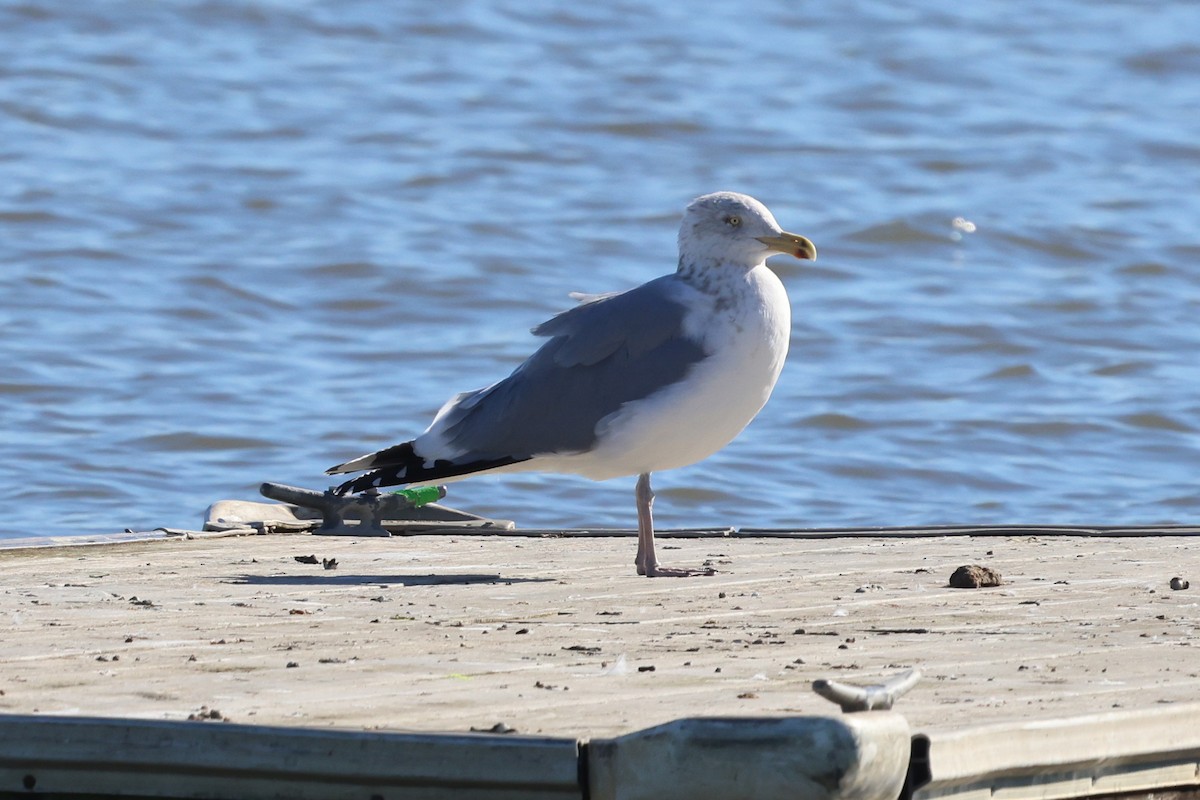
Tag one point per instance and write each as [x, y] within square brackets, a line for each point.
[745, 329]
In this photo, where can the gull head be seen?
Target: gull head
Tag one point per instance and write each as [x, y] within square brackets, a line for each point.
[735, 229]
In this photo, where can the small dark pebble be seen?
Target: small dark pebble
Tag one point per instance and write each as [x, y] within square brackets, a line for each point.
[206, 713]
[1179, 583]
[499, 727]
[973, 576]
[521, 631]
[329, 563]
[646, 668]
[293, 664]
[306, 559]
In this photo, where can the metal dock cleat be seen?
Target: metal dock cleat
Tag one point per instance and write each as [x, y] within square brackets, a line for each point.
[408, 511]
[877, 697]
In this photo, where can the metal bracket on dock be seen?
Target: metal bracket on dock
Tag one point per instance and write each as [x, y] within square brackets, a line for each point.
[371, 509]
[877, 697]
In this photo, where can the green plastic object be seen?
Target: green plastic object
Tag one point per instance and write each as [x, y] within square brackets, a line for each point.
[421, 496]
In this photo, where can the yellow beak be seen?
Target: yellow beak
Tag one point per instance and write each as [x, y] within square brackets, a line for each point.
[791, 244]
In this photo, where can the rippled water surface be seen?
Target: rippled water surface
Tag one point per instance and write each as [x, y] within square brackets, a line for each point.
[241, 241]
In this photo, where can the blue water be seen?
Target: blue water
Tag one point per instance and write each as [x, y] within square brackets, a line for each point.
[242, 241]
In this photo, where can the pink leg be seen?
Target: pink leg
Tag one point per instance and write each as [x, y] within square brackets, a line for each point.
[646, 562]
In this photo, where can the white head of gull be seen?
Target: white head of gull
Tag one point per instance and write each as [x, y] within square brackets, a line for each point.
[653, 378]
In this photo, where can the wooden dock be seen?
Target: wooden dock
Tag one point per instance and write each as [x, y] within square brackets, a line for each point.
[556, 636]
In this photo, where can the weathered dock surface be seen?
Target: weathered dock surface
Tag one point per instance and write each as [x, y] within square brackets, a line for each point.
[558, 636]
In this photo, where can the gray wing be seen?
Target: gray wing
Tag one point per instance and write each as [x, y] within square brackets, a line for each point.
[601, 354]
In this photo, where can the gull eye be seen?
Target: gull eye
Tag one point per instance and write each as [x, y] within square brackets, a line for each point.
[733, 222]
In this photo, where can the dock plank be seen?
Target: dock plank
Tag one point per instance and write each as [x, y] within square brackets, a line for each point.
[557, 636]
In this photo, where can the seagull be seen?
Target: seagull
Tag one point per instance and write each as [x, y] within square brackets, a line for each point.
[629, 383]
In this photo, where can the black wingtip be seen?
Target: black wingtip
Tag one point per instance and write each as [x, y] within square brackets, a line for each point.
[359, 484]
[417, 472]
